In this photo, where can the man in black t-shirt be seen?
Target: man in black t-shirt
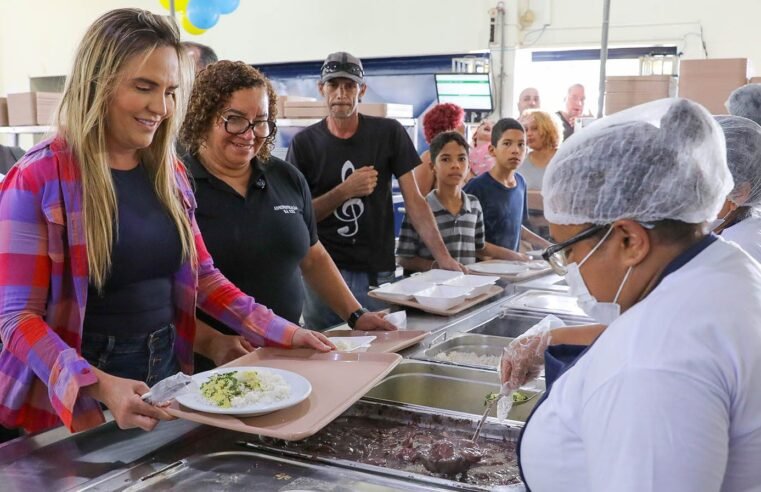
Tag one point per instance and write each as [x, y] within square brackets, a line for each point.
[348, 160]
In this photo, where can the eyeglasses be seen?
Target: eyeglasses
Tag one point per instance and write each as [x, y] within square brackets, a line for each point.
[555, 255]
[350, 68]
[238, 125]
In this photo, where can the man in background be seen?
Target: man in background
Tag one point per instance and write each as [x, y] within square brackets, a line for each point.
[574, 107]
[528, 99]
[202, 55]
[348, 160]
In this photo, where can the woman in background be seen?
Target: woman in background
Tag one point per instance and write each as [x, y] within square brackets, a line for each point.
[481, 161]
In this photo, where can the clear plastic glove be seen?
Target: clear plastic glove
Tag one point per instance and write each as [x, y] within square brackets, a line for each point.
[523, 359]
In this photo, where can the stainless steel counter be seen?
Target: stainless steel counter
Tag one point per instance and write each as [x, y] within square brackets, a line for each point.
[107, 458]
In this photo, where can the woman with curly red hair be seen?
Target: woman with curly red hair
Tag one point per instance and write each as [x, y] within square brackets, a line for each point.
[444, 117]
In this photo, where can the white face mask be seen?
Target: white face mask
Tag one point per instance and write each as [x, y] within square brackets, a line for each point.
[602, 312]
[714, 224]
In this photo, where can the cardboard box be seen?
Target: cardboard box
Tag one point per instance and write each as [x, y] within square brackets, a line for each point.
[32, 108]
[619, 101]
[319, 109]
[305, 109]
[660, 85]
[386, 110]
[282, 99]
[47, 104]
[4, 111]
[711, 81]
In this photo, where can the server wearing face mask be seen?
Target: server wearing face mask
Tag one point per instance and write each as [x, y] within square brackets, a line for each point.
[665, 398]
[739, 220]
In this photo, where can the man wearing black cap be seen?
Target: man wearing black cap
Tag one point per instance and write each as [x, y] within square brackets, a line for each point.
[348, 160]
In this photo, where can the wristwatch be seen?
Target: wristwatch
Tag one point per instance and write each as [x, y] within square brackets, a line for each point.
[354, 317]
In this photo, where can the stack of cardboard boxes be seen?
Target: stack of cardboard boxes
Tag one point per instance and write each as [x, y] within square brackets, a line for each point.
[628, 91]
[306, 108]
[4, 111]
[30, 108]
[710, 82]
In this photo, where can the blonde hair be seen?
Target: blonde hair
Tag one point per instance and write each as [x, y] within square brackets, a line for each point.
[110, 42]
[549, 126]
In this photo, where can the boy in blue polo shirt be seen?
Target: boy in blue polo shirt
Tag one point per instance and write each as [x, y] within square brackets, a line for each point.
[457, 214]
[502, 191]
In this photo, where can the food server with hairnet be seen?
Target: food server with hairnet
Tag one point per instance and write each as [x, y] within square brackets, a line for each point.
[666, 398]
[740, 220]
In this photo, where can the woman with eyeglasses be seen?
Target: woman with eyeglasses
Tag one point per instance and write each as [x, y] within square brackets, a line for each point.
[102, 262]
[665, 398]
[255, 210]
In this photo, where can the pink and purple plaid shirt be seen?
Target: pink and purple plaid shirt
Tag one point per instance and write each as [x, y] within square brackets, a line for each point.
[43, 295]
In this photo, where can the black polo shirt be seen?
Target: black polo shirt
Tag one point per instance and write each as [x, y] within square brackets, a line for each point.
[258, 241]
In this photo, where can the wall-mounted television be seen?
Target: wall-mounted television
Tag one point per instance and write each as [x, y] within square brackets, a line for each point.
[470, 91]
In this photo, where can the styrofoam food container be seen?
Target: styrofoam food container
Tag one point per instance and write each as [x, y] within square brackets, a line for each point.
[442, 297]
[479, 283]
[436, 276]
[403, 289]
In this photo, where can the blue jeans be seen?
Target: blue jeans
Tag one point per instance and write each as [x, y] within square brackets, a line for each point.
[148, 358]
[317, 314]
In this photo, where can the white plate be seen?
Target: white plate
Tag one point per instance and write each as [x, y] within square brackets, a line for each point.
[353, 344]
[300, 391]
[499, 268]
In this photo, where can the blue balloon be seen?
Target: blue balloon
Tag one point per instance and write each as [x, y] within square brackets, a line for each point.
[202, 13]
[226, 6]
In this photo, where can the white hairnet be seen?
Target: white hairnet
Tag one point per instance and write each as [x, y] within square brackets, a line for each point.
[661, 160]
[743, 138]
[746, 102]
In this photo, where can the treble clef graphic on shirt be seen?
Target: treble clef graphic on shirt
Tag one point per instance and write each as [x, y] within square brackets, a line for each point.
[351, 210]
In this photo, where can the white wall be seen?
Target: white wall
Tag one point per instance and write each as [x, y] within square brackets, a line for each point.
[38, 37]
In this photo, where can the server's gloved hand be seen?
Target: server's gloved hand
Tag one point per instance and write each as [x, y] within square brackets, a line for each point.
[523, 359]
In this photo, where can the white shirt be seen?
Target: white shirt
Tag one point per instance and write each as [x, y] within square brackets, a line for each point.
[746, 233]
[668, 398]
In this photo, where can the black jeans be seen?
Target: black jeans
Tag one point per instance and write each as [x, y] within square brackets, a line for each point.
[148, 358]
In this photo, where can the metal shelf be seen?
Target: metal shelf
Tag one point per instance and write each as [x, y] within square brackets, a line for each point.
[25, 129]
[18, 130]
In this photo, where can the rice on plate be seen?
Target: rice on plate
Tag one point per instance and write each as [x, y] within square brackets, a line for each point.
[244, 388]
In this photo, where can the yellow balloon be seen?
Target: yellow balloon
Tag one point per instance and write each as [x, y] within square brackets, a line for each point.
[190, 28]
[179, 5]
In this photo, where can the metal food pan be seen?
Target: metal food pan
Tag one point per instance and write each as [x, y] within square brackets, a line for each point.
[459, 349]
[446, 387]
[249, 470]
[369, 436]
[512, 323]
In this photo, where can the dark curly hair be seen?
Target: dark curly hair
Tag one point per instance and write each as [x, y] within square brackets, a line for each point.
[212, 89]
[442, 118]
